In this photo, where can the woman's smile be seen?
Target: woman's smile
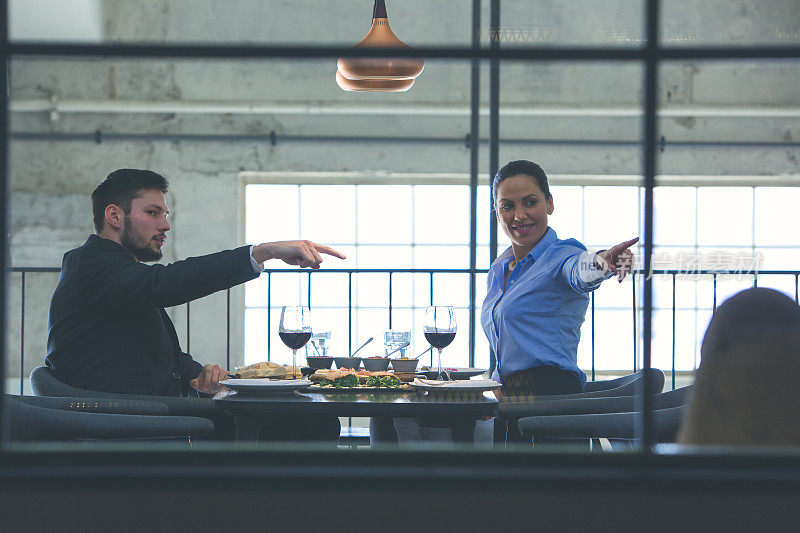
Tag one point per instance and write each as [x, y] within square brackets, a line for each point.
[522, 210]
[522, 229]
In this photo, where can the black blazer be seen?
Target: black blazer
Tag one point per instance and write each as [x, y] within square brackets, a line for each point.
[107, 329]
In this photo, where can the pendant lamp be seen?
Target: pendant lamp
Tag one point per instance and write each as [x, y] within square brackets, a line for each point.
[388, 86]
[377, 68]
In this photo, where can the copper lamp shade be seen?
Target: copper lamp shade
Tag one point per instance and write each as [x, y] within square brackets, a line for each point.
[389, 86]
[377, 68]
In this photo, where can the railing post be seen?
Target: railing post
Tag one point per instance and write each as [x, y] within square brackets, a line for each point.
[269, 312]
[349, 313]
[228, 329]
[22, 337]
[592, 322]
[674, 308]
[635, 338]
[390, 300]
[714, 303]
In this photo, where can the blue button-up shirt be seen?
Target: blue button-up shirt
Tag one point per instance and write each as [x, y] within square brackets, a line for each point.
[535, 320]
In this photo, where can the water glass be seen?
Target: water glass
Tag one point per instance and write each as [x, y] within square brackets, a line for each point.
[394, 339]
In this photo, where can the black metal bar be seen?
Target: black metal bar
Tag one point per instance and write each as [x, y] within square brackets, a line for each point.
[592, 322]
[221, 137]
[494, 118]
[645, 423]
[188, 347]
[22, 336]
[494, 136]
[390, 300]
[796, 288]
[349, 313]
[308, 295]
[556, 53]
[474, 146]
[227, 329]
[674, 310]
[755, 280]
[269, 322]
[4, 201]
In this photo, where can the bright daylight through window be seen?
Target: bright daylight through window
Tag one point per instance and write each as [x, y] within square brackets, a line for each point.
[406, 226]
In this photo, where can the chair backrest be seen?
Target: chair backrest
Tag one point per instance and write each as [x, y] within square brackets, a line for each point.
[603, 425]
[34, 423]
[547, 406]
[593, 386]
[673, 398]
[96, 405]
[44, 383]
[626, 386]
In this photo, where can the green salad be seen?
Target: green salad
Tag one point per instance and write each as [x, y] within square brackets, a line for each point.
[383, 381]
[347, 381]
[351, 381]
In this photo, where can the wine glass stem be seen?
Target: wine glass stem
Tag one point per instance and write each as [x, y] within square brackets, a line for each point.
[439, 375]
[294, 357]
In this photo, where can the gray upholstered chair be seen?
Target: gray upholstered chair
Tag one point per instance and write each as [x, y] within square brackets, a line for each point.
[546, 406]
[607, 384]
[44, 383]
[609, 418]
[64, 419]
[626, 386]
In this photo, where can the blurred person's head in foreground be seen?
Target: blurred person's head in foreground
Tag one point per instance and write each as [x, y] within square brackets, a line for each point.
[746, 391]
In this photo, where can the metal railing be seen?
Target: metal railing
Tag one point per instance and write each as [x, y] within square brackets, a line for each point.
[635, 308]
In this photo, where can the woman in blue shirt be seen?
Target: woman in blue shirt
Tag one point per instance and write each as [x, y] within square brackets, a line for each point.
[537, 290]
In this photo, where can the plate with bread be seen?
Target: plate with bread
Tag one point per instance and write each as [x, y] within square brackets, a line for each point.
[267, 369]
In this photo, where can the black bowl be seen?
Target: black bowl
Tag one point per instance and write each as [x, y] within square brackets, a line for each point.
[319, 361]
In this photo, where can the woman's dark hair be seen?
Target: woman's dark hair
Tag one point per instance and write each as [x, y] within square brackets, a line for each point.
[120, 188]
[524, 167]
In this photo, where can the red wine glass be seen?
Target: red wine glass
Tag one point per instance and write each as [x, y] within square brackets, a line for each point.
[439, 329]
[295, 330]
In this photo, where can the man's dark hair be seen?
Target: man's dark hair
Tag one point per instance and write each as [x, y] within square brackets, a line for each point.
[526, 168]
[120, 188]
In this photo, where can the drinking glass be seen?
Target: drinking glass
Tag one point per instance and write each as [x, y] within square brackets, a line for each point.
[439, 329]
[394, 339]
[295, 330]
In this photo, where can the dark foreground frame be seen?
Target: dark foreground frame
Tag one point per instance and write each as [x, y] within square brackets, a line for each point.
[466, 489]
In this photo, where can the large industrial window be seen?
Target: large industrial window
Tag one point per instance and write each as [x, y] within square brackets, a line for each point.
[736, 229]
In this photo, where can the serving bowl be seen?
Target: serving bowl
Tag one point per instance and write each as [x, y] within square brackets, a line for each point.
[404, 365]
[375, 364]
[319, 361]
[347, 362]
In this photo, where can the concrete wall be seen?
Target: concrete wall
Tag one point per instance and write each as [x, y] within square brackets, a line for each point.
[52, 180]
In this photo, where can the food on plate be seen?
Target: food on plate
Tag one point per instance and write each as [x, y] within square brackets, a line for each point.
[267, 369]
[383, 381]
[340, 379]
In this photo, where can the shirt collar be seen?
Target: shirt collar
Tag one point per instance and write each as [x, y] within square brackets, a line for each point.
[508, 255]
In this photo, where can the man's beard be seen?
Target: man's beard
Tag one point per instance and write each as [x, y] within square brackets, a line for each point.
[132, 242]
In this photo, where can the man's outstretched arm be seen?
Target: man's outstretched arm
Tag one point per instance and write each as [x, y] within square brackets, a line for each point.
[304, 254]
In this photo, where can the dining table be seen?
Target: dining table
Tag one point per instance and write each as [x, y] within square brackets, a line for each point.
[458, 412]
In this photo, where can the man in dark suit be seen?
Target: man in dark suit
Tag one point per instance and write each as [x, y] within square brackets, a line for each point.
[108, 330]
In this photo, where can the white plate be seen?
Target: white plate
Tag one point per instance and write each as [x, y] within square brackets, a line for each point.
[266, 385]
[460, 386]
